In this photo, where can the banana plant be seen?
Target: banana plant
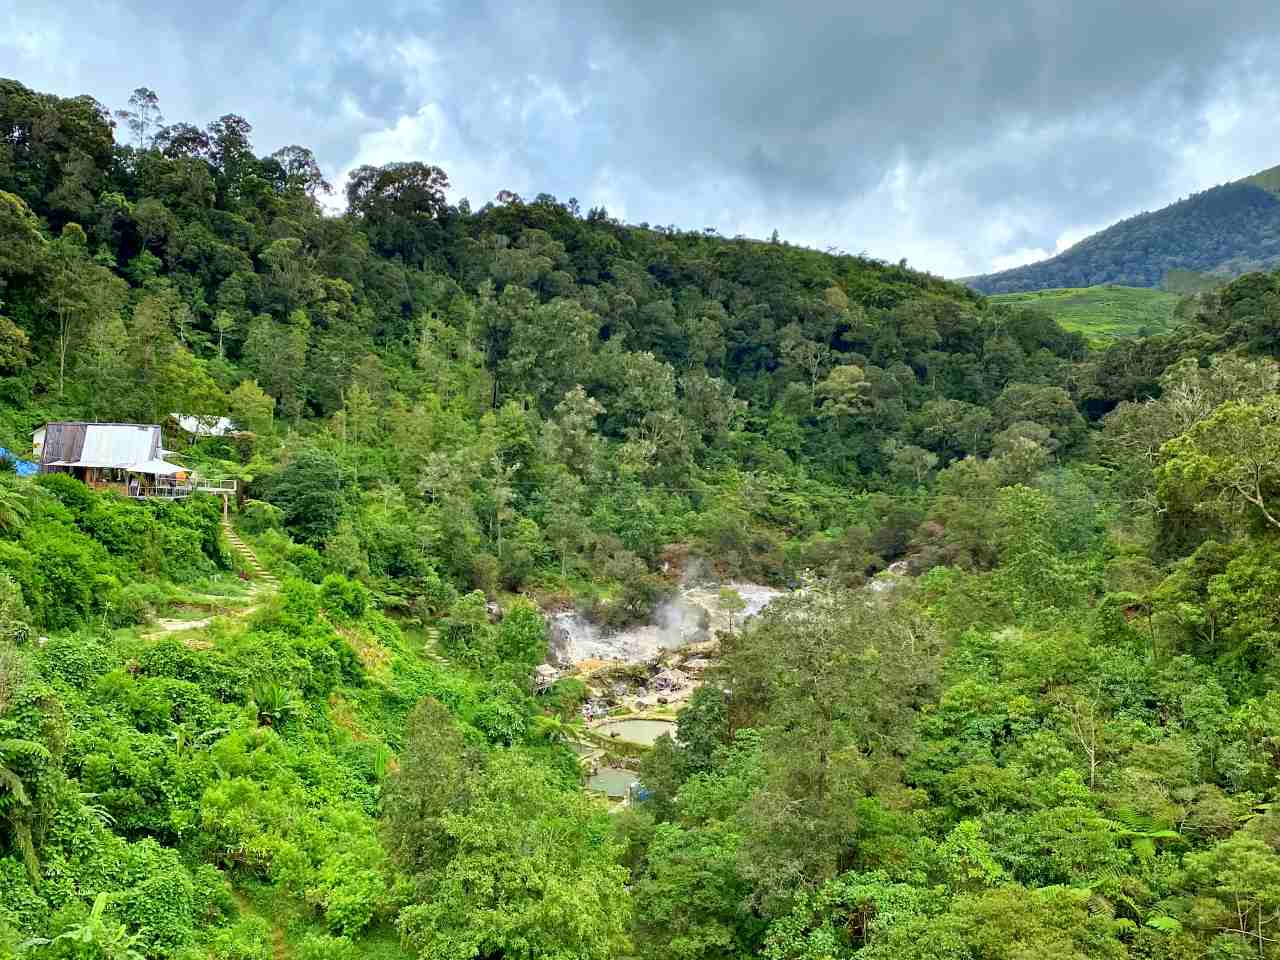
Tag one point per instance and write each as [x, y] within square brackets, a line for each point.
[112, 940]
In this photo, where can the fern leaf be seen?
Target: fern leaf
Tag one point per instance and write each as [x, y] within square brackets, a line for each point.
[1169, 925]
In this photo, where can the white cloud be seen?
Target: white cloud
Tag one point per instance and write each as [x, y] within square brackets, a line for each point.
[935, 133]
[1018, 258]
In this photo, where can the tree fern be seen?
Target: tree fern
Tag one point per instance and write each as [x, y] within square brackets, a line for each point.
[1165, 924]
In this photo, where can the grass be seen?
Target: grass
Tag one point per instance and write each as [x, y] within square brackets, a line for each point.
[1102, 313]
[291, 920]
[1267, 180]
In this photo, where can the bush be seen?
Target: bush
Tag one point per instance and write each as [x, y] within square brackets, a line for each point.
[307, 561]
[211, 899]
[342, 598]
[79, 547]
[78, 659]
[312, 492]
[158, 906]
[522, 635]
[258, 516]
[131, 605]
[566, 695]
[436, 595]
[69, 491]
[273, 544]
[250, 939]
[182, 554]
[15, 617]
[65, 566]
[466, 634]
[320, 946]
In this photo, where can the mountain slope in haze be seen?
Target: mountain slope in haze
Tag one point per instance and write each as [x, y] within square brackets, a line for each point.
[1227, 231]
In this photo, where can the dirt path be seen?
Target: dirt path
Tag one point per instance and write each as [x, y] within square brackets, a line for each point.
[264, 584]
[279, 949]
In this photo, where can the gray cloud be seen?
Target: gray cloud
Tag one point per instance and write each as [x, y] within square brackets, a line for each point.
[957, 134]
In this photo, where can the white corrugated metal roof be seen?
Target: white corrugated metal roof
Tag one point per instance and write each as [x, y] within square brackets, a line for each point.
[158, 467]
[118, 444]
[205, 426]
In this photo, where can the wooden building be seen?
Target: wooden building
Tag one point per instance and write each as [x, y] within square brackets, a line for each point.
[126, 457]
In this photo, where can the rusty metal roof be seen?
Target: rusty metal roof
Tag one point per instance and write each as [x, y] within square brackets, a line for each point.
[100, 444]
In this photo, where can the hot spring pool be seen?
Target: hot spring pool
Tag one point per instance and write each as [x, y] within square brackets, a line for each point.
[642, 732]
[612, 781]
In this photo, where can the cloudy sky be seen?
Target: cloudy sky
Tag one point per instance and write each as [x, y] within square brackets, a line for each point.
[964, 135]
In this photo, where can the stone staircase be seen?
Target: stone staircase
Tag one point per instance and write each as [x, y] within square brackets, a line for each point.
[257, 571]
[431, 644]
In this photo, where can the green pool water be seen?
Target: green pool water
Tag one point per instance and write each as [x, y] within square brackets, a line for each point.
[612, 781]
[643, 732]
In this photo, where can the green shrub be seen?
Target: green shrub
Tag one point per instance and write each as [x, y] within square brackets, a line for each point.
[202, 514]
[21, 906]
[183, 555]
[69, 491]
[249, 939]
[65, 567]
[300, 603]
[466, 633]
[79, 659]
[566, 695]
[384, 628]
[435, 596]
[258, 516]
[131, 605]
[307, 561]
[15, 617]
[17, 566]
[522, 634]
[272, 547]
[158, 906]
[218, 676]
[211, 898]
[343, 598]
[500, 717]
[122, 526]
[320, 946]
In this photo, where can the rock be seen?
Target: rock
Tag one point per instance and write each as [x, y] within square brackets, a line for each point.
[495, 612]
[672, 679]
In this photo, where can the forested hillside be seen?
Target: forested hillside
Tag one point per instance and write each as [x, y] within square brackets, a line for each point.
[1225, 231]
[1102, 312]
[1052, 730]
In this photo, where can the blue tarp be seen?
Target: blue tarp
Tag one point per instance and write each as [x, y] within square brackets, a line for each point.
[23, 468]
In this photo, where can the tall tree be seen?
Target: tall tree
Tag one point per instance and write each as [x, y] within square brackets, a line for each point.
[531, 871]
[832, 681]
[77, 292]
[144, 117]
[1228, 465]
[399, 204]
[277, 355]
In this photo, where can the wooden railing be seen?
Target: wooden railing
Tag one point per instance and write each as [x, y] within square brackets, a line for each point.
[215, 486]
[180, 491]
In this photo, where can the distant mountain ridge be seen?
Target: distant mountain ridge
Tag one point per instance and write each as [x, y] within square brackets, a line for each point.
[1226, 231]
